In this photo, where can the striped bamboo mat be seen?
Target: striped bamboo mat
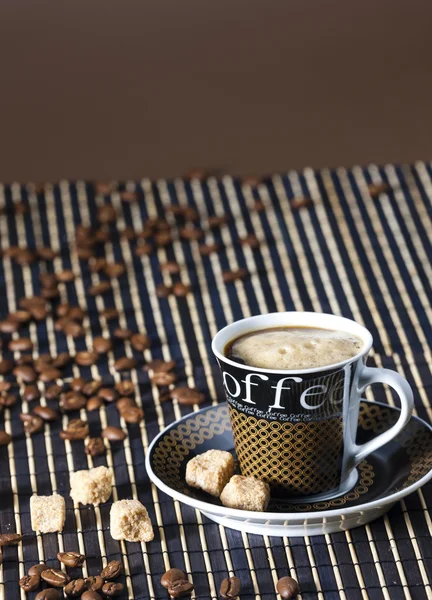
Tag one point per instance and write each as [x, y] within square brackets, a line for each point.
[348, 253]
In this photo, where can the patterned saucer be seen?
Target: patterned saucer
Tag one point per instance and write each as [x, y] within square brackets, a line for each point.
[388, 474]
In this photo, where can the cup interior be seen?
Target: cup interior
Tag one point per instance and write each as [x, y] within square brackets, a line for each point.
[290, 319]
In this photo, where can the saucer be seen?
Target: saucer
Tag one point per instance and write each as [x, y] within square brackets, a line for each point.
[384, 477]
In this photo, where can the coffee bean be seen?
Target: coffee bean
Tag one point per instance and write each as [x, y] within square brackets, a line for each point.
[73, 329]
[230, 588]
[190, 233]
[46, 253]
[181, 289]
[76, 313]
[61, 360]
[106, 214]
[160, 366]
[102, 236]
[125, 388]
[91, 595]
[140, 341]
[104, 189]
[7, 399]
[128, 196]
[6, 366]
[162, 239]
[114, 434]
[108, 394]
[171, 267]
[50, 293]
[287, 587]
[10, 539]
[250, 240]
[112, 570]
[187, 396]
[207, 249]
[53, 392]
[112, 589]
[75, 588]
[300, 202]
[163, 291]
[5, 386]
[46, 413]
[38, 312]
[128, 233]
[63, 309]
[72, 401]
[30, 393]
[76, 430]
[110, 313]
[65, 276]
[71, 559]
[9, 326]
[5, 439]
[143, 249]
[20, 316]
[29, 583]
[217, 221]
[230, 276]
[25, 257]
[55, 577]
[32, 423]
[180, 588]
[122, 333]
[114, 269]
[94, 583]
[94, 403]
[125, 364]
[48, 594]
[42, 362]
[21, 344]
[171, 576]
[37, 569]
[91, 387]
[29, 301]
[259, 206]
[375, 189]
[132, 414]
[163, 378]
[77, 384]
[50, 374]
[95, 447]
[86, 358]
[124, 402]
[100, 288]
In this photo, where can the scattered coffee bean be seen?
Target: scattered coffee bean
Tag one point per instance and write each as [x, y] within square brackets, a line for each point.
[75, 588]
[46, 413]
[29, 301]
[230, 276]
[6, 366]
[128, 196]
[30, 392]
[140, 341]
[53, 392]
[114, 269]
[48, 594]
[114, 434]
[106, 214]
[46, 253]
[207, 249]
[171, 267]
[65, 276]
[37, 569]
[132, 414]
[77, 384]
[24, 256]
[102, 236]
[108, 394]
[50, 374]
[5, 386]
[10, 539]
[50, 293]
[287, 587]
[112, 570]
[100, 288]
[95, 447]
[163, 378]
[300, 202]
[55, 577]
[259, 206]
[86, 358]
[73, 329]
[122, 333]
[94, 403]
[160, 366]
[163, 291]
[76, 429]
[25, 359]
[180, 589]
[91, 387]
[72, 401]
[230, 588]
[29, 583]
[125, 388]
[250, 240]
[8, 326]
[143, 249]
[7, 399]
[190, 233]
[91, 595]
[112, 589]
[104, 189]
[171, 576]
[38, 313]
[94, 583]
[375, 189]
[110, 313]
[128, 233]
[20, 316]
[76, 313]
[42, 362]
[181, 289]
[124, 402]
[162, 239]
[98, 264]
[61, 360]
[217, 221]
[125, 364]
[32, 423]
[5, 439]
[71, 559]
[21, 344]
[187, 396]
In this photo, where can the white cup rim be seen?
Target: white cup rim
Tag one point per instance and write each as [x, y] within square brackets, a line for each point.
[290, 318]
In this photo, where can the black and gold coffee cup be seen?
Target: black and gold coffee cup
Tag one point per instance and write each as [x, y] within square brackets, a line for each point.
[296, 429]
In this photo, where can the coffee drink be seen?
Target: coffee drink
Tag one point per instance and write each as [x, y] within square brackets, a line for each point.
[293, 348]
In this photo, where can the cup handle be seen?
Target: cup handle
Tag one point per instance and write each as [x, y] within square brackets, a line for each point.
[370, 375]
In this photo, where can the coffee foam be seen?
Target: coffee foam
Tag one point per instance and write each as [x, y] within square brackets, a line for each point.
[295, 348]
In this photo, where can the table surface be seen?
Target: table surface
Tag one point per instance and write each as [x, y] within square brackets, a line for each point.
[348, 253]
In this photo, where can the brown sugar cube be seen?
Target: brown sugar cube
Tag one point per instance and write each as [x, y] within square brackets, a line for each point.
[129, 521]
[246, 493]
[210, 471]
[47, 513]
[92, 486]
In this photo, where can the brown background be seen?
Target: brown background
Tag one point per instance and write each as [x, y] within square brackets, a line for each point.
[126, 88]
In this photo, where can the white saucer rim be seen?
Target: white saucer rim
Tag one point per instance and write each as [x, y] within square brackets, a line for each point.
[245, 514]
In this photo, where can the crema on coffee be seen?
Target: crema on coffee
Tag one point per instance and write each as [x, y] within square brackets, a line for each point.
[293, 348]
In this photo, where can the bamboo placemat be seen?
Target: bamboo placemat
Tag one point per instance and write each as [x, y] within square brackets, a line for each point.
[367, 258]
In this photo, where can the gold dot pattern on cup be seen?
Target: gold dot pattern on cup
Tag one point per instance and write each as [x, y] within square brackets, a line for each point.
[294, 458]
